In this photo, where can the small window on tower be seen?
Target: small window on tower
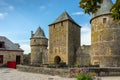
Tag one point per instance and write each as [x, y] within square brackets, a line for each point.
[2, 45]
[54, 25]
[104, 20]
[61, 23]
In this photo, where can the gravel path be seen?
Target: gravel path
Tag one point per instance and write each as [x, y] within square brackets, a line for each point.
[13, 74]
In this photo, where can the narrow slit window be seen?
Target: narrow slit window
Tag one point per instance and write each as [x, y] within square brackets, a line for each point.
[104, 20]
[61, 23]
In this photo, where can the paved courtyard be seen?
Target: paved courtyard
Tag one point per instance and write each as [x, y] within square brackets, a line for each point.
[13, 74]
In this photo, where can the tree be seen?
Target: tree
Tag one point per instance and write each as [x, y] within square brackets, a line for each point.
[115, 10]
[91, 6]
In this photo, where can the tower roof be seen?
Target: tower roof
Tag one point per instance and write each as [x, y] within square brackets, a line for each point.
[104, 9]
[64, 16]
[39, 33]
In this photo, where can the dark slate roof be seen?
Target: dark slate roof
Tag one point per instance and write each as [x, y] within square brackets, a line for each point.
[39, 33]
[9, 45]
[105, 8]
[64, 16]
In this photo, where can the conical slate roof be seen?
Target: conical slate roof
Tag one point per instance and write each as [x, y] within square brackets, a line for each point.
[105, 8]
[64, 16]
[39, 33]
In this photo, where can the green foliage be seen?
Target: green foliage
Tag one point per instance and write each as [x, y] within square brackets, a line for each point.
[77, 65]
[89, 63]
[115, 10]
[90, 6]
[84, 77]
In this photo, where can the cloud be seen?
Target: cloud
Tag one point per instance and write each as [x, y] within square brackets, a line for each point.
[42, 7]
[85, 28]
[10, 8]
[4, 6]
[78, 13]
[25, 47]
[86, 34]
[3, 15]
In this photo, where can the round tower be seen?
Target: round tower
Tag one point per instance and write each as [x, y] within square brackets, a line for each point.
[105, 42]
[38, 43]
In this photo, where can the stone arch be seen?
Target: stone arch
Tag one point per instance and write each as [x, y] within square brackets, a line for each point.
[57, 60]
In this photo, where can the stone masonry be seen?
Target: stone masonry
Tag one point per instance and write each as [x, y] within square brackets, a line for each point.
[105, 37]
[64, 40]
[38, 43]
[10, 51]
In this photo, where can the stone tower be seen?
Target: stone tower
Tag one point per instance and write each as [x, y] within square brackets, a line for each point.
[38, 43]
[64, 40]
[105, 37]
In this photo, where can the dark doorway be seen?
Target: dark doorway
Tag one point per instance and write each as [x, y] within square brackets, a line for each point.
[57, 60]
[17, 59]
[1, 59]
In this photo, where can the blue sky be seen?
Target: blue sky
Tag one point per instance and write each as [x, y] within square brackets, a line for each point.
[19, 17]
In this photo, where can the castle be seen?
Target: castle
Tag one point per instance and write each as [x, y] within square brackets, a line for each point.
[64, 41]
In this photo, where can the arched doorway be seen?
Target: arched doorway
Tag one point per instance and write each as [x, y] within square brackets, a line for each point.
[57, 60]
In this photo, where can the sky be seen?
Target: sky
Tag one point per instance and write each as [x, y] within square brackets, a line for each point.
[19, 17]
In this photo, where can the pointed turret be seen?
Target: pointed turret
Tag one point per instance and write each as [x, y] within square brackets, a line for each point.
[38, 43]
[64, 16]
[39, 33]
[104, 9]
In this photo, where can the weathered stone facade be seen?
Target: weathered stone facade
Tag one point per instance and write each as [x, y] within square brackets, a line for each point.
[64, 40]
[105, 38]
[84, 55]
[38, 43]
[10, 51]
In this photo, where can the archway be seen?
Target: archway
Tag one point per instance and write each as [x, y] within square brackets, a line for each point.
[57, 60]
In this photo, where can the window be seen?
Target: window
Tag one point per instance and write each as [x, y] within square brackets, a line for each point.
[2, 45]
[61, 23]
[104, 20]
[1, 59]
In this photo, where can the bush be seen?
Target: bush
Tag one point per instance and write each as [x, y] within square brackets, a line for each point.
[84, 77]
[77, 65]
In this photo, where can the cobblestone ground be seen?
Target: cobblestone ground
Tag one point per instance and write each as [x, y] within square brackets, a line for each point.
[13, 74]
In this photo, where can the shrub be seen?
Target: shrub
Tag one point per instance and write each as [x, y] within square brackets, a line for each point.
[77, 65]
[84, 77]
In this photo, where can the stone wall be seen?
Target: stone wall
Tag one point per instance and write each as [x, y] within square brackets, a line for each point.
[73, 41]
[11, 56]
[38, 50]
[64, 40]
[105, 41]
[58, 41]
[83, 55]
[43, 70]
[71, 72]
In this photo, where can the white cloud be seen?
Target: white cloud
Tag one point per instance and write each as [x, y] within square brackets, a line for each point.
[86, 34]
[25, 47]
[42, 7]
[10, 8]
[3, 15]
[78, 13]
[85, 28]
[4, 6]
